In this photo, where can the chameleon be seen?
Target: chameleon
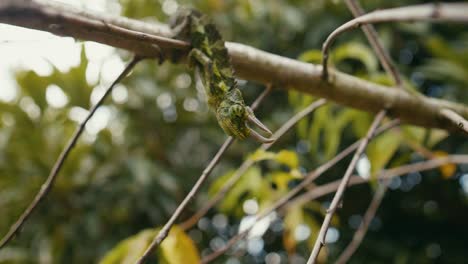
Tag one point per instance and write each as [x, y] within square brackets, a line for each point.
[210, 59]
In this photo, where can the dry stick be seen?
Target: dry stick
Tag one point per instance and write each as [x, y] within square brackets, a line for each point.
[373, 39]
[48, 184]
[248, 163]
[307, 180]
[196, 187]
[320, 241]
[363, 227]
[456, 119]
[427, 12]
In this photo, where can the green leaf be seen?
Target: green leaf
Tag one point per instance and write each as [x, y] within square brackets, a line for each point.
[251, 183]
[261, 154]
[440, 69]
[435, 136]
[73, 83]
[423, 136]
[357, 51]
[382, 149]
[311, 56]
[327, 127]
[319, 122]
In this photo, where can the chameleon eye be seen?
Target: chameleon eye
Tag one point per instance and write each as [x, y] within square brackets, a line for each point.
[237, 110]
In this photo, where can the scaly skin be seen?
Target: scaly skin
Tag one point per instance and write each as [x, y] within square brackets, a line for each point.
[211, 60]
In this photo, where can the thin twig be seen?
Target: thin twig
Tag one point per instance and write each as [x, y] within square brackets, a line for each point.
[159, 238]
[248, 163]
[373, 39]
[427, 12]
[320, 241]
[310, 177]
[48, 184]
[457, 119]
[364, 226]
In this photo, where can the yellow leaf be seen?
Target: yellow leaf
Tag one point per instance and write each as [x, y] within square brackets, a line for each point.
[288, 158]
[261, 154]
[447, 170]
[178, 248]
[130, 249]
[294, 217]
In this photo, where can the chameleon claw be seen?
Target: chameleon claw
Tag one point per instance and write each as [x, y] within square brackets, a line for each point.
[259, 137]
[254, 120]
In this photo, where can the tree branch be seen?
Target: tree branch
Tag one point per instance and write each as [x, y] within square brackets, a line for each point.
[437, 12]
[249, 63]
[48, 184]
[456, 119]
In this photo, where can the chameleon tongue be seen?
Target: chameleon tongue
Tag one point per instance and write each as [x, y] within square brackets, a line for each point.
[254, 120]
[259, 137]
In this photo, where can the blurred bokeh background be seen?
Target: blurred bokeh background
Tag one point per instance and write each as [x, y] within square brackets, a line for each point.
[147, 145]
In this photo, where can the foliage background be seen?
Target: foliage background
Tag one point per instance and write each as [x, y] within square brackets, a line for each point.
[129, 174]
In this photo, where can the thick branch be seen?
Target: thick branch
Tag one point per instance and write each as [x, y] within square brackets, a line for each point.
[249, 63]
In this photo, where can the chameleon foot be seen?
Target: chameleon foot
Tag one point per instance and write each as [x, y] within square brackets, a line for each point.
[259, 137]
[252, 118]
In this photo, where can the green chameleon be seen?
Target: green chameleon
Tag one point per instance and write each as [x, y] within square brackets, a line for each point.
[211, 61]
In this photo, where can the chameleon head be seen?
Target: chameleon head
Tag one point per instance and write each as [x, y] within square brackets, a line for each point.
[233, 117]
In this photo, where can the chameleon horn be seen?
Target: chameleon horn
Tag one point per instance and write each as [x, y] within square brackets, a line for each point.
[259, 137]
[253, 119]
